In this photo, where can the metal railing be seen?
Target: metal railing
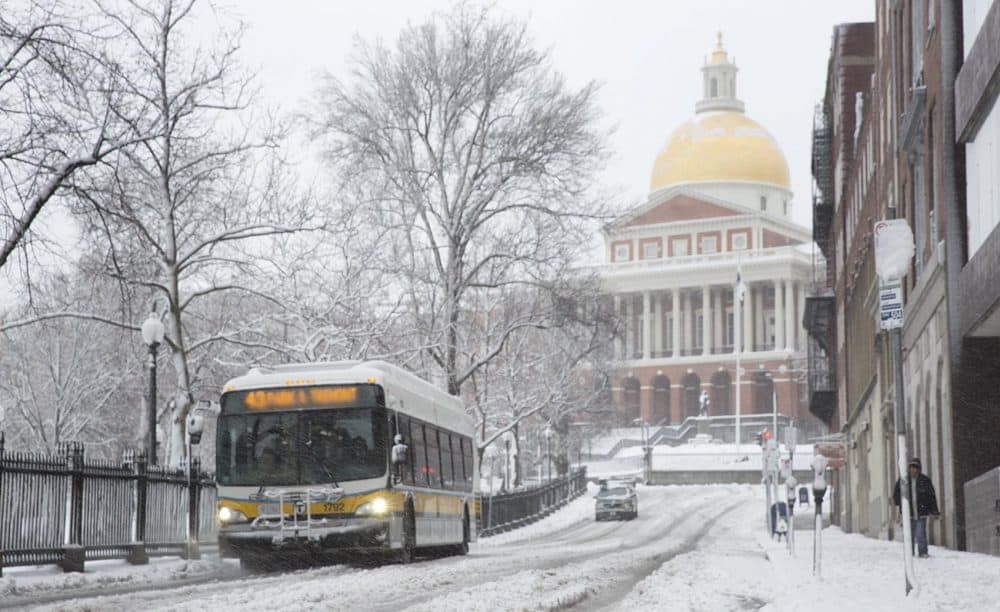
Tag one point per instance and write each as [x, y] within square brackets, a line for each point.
[500, 513]
[65, 509]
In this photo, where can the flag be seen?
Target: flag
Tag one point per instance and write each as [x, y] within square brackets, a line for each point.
[741, 289]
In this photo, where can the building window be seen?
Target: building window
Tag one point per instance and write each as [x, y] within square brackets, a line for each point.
[730, 328]
[785, 207]
[699, 329]
[739, 242]
[680, 247]
[713, 88]
[709, 244]
[650, 250]
[621, 252]
[763, 203]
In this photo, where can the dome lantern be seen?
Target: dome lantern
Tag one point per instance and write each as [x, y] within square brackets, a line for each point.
[719, 82]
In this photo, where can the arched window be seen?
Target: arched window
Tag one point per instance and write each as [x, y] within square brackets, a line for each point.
[763, 392]
[713, 88]
[692, 393]
[661, 400]
[630, 389]
[721, 393]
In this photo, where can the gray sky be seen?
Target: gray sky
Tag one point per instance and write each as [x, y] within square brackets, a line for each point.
[646, 54]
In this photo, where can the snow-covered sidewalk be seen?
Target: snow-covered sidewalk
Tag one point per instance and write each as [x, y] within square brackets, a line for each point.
[860, 573]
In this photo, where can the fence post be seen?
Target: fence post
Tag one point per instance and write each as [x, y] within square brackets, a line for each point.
[138, 555]
[73, 552]
[191, 550]
[3, 519]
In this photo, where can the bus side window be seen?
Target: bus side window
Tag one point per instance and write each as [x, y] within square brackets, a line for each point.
[467, 461]
[418, 454]
[447, 473]
[433, 457]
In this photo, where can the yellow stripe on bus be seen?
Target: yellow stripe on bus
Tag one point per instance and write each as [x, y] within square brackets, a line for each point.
[424, 503]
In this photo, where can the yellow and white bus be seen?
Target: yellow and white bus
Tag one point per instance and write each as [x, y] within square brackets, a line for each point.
[304, 461]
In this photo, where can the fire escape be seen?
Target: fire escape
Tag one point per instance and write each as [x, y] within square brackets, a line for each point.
[820, 313]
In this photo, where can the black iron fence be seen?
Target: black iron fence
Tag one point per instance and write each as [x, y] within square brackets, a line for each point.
[500, 513]
[66, 509]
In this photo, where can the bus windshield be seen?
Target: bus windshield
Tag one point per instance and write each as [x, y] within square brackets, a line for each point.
[301, 447]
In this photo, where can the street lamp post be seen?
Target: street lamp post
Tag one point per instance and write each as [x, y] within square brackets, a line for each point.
[819, 490]
[152, 335]
[548, 452]
[646, 455]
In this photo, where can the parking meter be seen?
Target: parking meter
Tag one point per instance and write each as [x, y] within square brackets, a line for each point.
[819, 463]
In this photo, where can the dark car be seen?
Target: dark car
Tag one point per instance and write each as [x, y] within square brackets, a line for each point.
[617, 503]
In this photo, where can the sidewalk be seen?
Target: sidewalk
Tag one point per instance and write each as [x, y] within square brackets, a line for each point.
[860, 573]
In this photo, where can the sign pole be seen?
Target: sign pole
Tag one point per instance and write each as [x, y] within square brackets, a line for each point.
[893, 251]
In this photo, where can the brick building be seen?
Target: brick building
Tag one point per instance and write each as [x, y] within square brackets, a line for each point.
[898, 155]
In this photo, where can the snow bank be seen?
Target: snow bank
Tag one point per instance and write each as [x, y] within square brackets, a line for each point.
[35, 580]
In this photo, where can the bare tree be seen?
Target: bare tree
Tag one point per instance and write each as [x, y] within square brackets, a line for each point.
[544, 376]
[66, 379]
[60, 108]
[182, 214]
[479, 160]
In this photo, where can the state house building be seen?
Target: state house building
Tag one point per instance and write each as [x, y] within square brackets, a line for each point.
[719, 195]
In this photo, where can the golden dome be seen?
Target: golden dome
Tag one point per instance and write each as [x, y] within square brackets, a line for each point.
[720, 146]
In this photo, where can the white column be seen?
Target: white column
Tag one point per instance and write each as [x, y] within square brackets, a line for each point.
[718, 310]
[619, 340]
[647, 327]
[688, 322]
[779, 315]
[748, 319]
[675, 345]
[629, 327]
[790, 315]
[800, 329]
[760, 327]
[706, 320]
[658, 324]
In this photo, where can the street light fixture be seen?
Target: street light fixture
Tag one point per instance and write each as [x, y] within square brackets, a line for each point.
[152, 335]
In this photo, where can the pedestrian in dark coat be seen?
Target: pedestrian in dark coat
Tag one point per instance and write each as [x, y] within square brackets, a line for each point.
[921, 491]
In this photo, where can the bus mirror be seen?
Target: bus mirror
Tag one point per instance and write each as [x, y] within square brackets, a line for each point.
[399, 452]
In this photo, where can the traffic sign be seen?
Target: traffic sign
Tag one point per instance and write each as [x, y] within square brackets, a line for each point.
[890, 304]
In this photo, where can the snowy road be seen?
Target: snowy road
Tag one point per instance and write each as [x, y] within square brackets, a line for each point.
[567, 562]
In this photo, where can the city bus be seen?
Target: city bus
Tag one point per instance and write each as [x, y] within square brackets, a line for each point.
[308, 461]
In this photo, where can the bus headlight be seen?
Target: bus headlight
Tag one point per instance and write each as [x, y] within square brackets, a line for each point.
[227, 515]
[375, 507]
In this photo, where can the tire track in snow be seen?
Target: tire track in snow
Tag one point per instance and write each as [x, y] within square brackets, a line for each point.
[657, 527]
[608, 596]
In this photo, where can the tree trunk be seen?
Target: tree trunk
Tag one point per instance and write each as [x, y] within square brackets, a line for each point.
[517, 456]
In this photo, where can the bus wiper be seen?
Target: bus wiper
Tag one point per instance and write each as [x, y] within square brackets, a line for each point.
[316, 460]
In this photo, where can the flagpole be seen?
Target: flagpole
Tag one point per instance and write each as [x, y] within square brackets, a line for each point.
[738, 341]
